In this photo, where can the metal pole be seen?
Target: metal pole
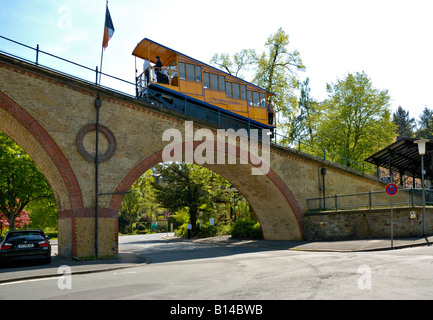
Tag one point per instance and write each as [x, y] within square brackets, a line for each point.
[102, 50]
[392, 224]
[423, 195]
[37, 54]
[323, 173]
[98, 104]
[100, 68]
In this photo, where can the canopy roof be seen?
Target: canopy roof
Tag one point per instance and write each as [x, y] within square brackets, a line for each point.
[148, 49]
[403, 156]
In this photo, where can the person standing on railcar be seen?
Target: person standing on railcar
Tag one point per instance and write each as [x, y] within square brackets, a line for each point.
[271, 111]
[158, 69]
[146, 66]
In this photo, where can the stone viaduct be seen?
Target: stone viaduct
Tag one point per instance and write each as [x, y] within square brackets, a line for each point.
[52, 117]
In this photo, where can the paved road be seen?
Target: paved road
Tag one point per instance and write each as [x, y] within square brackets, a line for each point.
[206, 270]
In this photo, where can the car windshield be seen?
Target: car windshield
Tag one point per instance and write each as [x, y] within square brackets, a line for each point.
[27, 236]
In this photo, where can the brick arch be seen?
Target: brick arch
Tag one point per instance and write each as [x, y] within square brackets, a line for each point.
[20, 126]
[276, 189]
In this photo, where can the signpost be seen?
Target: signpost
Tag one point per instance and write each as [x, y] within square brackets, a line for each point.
[391, 189]
[211, 223]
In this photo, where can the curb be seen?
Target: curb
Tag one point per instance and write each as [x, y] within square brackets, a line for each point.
[76, 272]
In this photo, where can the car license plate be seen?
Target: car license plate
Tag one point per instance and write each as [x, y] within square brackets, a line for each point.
[23, 246]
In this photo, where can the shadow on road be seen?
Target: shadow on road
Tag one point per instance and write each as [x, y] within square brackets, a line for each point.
[178, 249]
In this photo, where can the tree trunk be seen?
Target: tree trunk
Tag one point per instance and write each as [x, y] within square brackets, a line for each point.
[193, 216]
[11, 222]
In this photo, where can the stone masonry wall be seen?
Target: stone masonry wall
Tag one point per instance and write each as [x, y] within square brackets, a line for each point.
[367, 224]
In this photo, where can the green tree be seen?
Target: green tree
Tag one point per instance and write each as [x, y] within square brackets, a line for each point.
[404, 123]
[356, 120]
[181, 189]
[43, 213]
[304, 124]
[20, 180]
[131, 206]
[425, 124]
[277, 72]
[188, 186]
[241, 61]
[140, 200]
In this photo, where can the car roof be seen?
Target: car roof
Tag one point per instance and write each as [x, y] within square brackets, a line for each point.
[26, 230]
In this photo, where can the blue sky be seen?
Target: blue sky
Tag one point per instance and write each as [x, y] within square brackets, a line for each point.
[391, 40]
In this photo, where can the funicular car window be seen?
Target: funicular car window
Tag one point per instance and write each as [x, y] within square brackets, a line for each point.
[182, 73]
[190, 72]
[198, 73]
[243, 92]
[250, 98]
[228, 89]
[222, 83]
[263, 100]
[214, 81]
[256, 99]
[206, 79]
[236, 90]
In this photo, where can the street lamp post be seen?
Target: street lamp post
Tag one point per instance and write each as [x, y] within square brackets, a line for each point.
[421, 150]
[98, 104]
[234, 201]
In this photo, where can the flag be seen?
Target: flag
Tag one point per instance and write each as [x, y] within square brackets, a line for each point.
[108, 29]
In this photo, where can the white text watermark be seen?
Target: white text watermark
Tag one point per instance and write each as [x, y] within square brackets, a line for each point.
[227, 146]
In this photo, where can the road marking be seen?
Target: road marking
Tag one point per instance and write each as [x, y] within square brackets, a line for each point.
[126, 272]
[28, 280]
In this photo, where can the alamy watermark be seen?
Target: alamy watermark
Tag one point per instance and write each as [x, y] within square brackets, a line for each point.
[64, 22]
[227, 146]
[364, 281]
[64, 281]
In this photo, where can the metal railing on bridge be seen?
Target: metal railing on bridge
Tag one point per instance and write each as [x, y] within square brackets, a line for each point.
[93, 76]
[369, 200]
[49, 61]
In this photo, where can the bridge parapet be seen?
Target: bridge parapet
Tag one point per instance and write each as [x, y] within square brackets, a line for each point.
[368, 200]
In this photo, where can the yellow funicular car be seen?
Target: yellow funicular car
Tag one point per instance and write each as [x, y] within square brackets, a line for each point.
[182, 83]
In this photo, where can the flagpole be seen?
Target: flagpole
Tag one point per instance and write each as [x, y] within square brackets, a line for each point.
[100, 66]
[102, 50]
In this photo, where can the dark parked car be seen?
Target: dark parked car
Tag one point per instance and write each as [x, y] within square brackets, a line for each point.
[25, 244]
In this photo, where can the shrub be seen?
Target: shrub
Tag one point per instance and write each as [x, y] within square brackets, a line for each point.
[141, 226]
[52, 234]
[245, 228]
[181, 231]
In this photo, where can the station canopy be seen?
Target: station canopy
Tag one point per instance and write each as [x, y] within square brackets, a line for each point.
[403, 156]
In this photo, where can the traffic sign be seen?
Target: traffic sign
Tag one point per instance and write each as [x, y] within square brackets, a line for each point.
[391, 189]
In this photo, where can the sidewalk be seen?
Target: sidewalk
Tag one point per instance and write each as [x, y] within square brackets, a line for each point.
[325, 246]
[129, 259]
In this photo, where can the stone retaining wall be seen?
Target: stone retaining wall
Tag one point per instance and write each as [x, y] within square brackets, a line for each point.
[367, 224]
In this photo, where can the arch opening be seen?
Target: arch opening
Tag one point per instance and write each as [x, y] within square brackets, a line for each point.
[27, 200]
[270, 199]
[169, 196]
[27, 133]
